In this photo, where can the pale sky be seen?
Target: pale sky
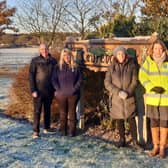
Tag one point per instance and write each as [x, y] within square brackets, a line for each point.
[11, 3]
[14, 3]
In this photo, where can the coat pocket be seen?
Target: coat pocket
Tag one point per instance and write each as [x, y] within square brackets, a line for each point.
[130, 106]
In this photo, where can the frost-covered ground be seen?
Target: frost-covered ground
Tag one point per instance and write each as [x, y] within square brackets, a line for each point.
[12, 59]
[16, 57]
[18, 149]
[5, 83]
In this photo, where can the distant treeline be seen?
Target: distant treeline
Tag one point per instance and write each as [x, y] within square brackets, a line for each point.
[26, 40]
[13, 40]
[19, 40]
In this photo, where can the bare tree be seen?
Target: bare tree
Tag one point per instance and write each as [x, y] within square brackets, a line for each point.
[78, 15]
[41, 17]
[123, 7]
[105, 11]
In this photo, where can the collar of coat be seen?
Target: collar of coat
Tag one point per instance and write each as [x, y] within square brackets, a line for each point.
[127, 59]
[48, 57]
[166, 60]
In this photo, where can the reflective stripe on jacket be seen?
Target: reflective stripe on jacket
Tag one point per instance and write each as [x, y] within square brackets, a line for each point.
[151, 76]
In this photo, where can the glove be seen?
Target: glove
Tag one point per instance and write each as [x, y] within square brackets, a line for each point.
[34, 94]
[158, 89]
[122, 94]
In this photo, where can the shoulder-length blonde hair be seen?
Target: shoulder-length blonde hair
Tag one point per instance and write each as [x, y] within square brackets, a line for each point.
[61, 60]
[150, 51]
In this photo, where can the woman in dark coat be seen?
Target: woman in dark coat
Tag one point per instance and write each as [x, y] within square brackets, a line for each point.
[121, 81]
[66, 80]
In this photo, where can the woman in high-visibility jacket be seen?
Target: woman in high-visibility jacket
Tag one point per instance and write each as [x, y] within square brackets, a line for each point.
[153, 75]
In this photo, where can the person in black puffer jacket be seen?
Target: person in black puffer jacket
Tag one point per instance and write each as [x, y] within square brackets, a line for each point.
[66, 80]
[40, 73]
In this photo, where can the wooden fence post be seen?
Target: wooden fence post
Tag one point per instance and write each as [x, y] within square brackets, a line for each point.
[143, 125]
[80, 110]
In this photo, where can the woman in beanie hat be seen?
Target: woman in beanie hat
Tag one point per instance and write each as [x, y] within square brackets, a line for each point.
[120, 48]
[121, 81]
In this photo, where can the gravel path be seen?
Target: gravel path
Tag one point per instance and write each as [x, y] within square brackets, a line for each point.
[19, 150]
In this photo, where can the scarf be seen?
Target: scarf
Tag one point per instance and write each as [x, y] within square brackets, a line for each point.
[159, 60]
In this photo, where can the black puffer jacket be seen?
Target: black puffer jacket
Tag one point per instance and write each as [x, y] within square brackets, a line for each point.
[40, 73]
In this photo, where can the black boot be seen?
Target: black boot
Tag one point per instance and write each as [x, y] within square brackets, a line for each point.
[133, 131]
[120, 143]
[63, 128]
[72, 128]
[121, 129]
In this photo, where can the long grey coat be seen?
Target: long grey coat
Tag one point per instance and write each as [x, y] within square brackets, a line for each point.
[122, 77]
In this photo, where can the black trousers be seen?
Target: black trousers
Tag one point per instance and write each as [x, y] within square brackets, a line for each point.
[39, 102]
[132, 126]
[67, 108]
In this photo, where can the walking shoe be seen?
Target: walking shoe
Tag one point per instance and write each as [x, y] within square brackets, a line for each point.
[49, 131]
[35, 135]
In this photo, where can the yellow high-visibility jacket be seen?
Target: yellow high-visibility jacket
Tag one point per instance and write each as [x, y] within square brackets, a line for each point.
[151, 76]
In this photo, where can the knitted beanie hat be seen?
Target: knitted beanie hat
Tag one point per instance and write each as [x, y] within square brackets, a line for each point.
[120, 48]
